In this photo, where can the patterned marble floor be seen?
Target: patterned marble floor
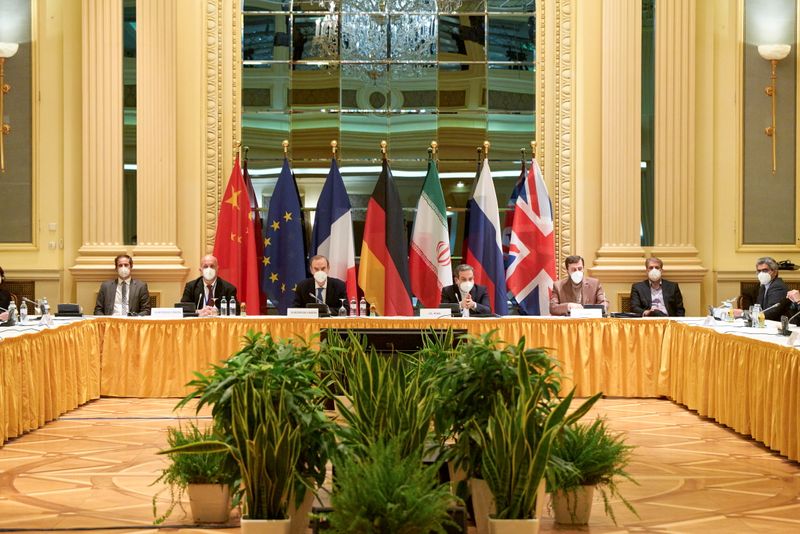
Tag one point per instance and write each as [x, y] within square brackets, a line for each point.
[93, 469]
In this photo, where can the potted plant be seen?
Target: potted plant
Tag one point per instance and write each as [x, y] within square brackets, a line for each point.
[266, 446]
[386, 491]
[588, 457]
[473, 376]
[277, 366]
[207, 478]
[515, 446]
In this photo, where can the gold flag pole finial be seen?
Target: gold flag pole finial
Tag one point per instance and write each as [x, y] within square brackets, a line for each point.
[237, 149]
[522, 151]
[486, 145]
[285, 145]
[533, 149]
[246, 150]
[433, 149]
[384, 144]
[334, 146]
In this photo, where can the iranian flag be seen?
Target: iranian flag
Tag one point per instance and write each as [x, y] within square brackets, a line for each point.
[429, 259]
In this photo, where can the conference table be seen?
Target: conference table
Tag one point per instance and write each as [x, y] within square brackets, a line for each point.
[745, 378]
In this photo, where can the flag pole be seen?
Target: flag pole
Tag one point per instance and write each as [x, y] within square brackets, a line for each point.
[334, 146]
[434, 149]
[384, 144]
[245, 150]
[486, 145]
[285, 145]
[237, 149]
[533, 149]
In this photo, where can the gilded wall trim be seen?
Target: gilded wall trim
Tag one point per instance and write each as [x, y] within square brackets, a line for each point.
[214, 135]
[564, 24]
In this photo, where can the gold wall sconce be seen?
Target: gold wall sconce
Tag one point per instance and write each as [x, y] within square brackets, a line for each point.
[773, 53]
[6, 51]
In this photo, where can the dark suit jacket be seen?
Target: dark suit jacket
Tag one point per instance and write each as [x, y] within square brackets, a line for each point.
[452, 295]
[673, 300]
[775, 294]
[195, 291]
[138, 297]
[5, 298]
[336, 291]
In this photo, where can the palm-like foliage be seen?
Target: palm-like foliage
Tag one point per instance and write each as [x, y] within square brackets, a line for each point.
[265, 445]
[516, 443]
[274, 366]
[480, 373]
[591, 455]
[386, 491]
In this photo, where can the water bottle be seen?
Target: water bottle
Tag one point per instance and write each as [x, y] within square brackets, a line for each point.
[12, 313]
[45, 307]
[362, 307]
[373, 311]
[232, 307]
[243, 309]
[23, 312]
[353, 307]
[223, 306]
[754, 314]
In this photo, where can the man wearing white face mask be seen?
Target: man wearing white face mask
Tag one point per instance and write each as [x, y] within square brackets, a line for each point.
[576, 290]
[656, 297]
[207, 291]
[771, 290]
[320, 287]
[123, 295]
[466, 293]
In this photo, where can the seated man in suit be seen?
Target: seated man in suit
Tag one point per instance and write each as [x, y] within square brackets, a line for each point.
[656, 297]
[320, 287]
[576, 290]
[466, 293]
[207, 291]
[123, 295]
[772, 292]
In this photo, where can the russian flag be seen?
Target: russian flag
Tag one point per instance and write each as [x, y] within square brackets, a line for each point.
[332, 236]
[484, 247]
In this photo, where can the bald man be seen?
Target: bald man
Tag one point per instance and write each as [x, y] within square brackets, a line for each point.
[207, 291]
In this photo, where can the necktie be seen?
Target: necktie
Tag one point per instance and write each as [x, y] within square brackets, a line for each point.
[124, 298]
[319, 294]
[209, 294]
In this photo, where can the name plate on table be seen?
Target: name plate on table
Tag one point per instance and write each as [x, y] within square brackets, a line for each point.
[166, 313]
[434, 313]
[305, 313]
[586, 313]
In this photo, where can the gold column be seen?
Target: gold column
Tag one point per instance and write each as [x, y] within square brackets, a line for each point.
[675, 130]
[102, 128]
[101, 158]
[620, 248]
[156, 141]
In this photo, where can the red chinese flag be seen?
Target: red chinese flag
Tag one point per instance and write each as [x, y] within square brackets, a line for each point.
[235, 243]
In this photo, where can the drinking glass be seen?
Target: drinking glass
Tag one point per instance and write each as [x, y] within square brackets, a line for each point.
[343, 309]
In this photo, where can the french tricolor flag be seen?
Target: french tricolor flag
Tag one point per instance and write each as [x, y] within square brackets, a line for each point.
[484, 247]
[332, 236]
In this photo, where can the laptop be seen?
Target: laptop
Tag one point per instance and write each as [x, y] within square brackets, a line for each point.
[189, 308]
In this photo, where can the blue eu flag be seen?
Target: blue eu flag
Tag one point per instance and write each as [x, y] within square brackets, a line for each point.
[283, 263]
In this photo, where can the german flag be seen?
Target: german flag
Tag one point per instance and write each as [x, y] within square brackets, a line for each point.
[383, 272]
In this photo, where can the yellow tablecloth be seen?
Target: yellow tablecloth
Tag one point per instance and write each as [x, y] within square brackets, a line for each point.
[617, 357]
[45, 374]
[749, 385]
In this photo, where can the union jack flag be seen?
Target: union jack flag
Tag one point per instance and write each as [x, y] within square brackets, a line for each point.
[531, 268]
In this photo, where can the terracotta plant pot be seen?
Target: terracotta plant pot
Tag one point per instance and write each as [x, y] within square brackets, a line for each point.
[211, 503]
[299, 516]
[265, 526]
[513, 526]
[482, 504]
[574, 506]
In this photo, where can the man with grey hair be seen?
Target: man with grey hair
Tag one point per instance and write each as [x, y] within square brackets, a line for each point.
[771, 291]
[466, 293]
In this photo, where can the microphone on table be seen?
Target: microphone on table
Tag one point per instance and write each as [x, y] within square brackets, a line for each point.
[785, 323]
[320, 301]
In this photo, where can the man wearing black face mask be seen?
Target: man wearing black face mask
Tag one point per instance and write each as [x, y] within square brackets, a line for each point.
[123, 295]
[466, 293]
